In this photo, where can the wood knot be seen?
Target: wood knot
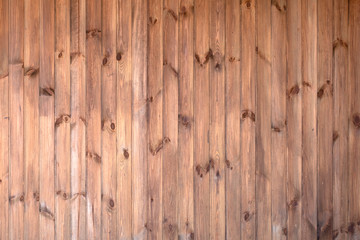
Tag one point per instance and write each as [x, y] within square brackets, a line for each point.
[209, 55]
[118, 56]
[104, 61]
[64, 118]
[30, 72]
[326, 87]
[339, 43]
[62, 194]
[356, 120]
[218, 67]
[159, 146]
[111, 203]
[94, 156]
[335, 136]
[184, 120]
[247, 216]
[228, 164]
[150, 99]
[306, 84]
[60, 55]
[47, 92]
[293, 91]
[248, 114]
[172, 13]
[285, 231]
[92, 33]
[36, 196]
[277, 6]
[351, 228]
[293, 203]
[248, 4]
[126, 153]
[183, 11]
[152, 20]
[108, 125]
[148, 227]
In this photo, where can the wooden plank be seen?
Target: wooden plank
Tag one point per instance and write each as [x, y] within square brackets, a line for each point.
[78, 123]
[248, 115]
[139, 120]
[108, 124]
[203, 55]
[325, 119]
[341, 123]
[170, 118]
[309, 128]
[124, 100]
[186, 120]
[233, 113]
[4, 119]
[93, 118]
[62, 119]
[47, 120]
[155, 111]
[217, 120]
[16, 115]
[278, 120]
[263, 120]
[31, 118]
[354, 128]
[294, 119]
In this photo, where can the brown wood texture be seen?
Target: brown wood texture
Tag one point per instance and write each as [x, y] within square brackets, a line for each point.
[179, 119]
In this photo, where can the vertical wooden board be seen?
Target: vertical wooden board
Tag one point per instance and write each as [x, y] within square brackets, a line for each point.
[139, 120]
[78, 122]
[124, 100]
[4, 119]
[217, 120]
[325, 119]
[233, 113]
[47, 120]
[294, 119]
[354, 129]
[108, 124]
[248, 114]
[62, 119]
[31, 117]
[16, 116]
[186, 120]
[203, 55]
[309, 128]
[341, 123]
[263, 120]
[93, 118]
[155, 111]
[278, 120]
[170, 118]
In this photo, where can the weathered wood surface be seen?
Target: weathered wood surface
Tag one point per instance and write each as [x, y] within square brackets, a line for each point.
[179, 119]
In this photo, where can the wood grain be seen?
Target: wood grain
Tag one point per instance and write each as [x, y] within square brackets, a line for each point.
[179, 119]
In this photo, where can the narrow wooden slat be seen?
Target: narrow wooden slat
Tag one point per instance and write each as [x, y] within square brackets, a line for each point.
[341, 123]
[203, 55]
[186, 120]
[233, 113]
[309, 128]
[170, 119]
[140, 147]
[263, 120]
[325, 119]
[155, 108]
[4, 119]
[93, 118]
[31, 118]
[354, 128]
[62, 119]
[294, 119]
[108, 124]
[78, 123]
[16, 116]
[248, 116]
[124, 100]
[47, 120]
[217, 121]
[278, 120]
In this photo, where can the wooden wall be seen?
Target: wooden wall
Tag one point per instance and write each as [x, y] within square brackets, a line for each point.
[179, 119]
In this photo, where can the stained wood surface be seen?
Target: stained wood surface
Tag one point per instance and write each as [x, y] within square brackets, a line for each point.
[179, 119]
